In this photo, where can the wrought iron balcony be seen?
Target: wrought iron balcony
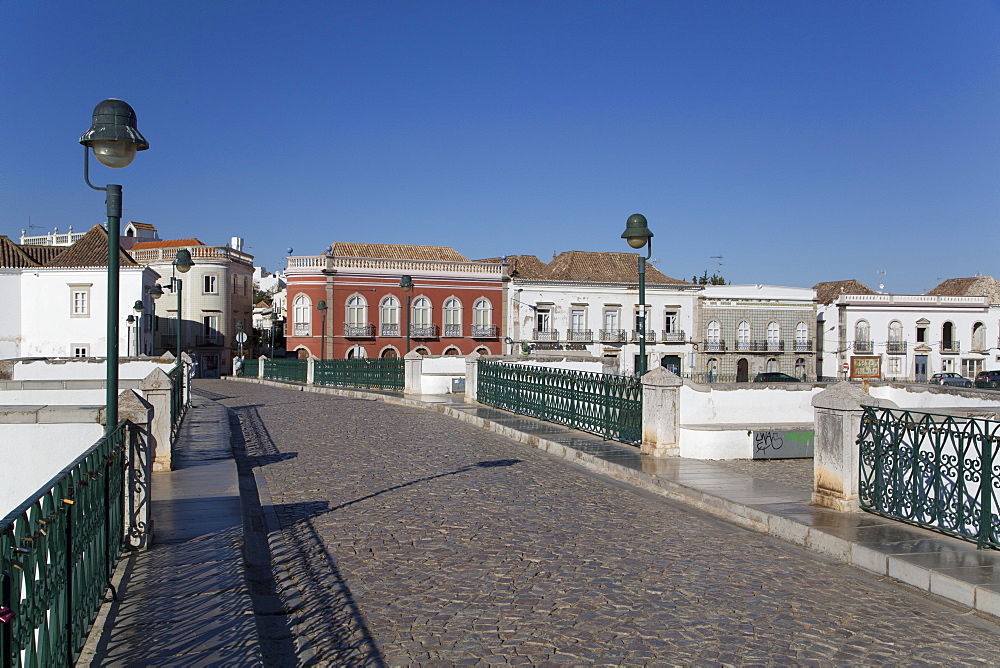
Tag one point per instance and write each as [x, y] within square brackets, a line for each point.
[485, 331]
[803, 346]
[453, 331]
[579, 335]
[359, 331]
[650, 336]
[676, 336]
[744, 345]
[951, 347]
[715, 346]
[388, 329]
[863, 347]
[209, 340]
[545, 335]
[425, 331]
[300, 329]
[613, 335]
[896, 347]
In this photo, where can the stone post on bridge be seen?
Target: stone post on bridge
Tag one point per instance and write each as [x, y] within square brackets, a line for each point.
[413, 363]
[156, 389]
[471, 376]
[661, 413]
[836, 464]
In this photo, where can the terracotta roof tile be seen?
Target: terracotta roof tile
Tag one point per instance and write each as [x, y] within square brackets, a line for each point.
[398, 252]
[604, 267]
[828, 292]
[523, 266]
[90, 251]
[141, 226]
[13, 256]
[975, 286]
[43, 254]
[169, 243]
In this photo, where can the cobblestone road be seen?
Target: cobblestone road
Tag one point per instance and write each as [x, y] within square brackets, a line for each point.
[416, 539]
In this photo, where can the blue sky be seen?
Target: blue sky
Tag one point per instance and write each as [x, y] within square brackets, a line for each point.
[801, 141]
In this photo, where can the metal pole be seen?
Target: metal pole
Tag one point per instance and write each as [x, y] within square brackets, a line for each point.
[114, 204]
[642, 310]
[322, 338]
[152, 328]
[408, 298]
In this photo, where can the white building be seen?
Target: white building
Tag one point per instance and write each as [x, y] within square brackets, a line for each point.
[953, 328]
[588, 303]
[55, 299]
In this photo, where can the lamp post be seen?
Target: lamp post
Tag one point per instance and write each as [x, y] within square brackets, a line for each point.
[406, 283]
[138, 307]
[182, 263]
[155, 292]
[322, 307]
[114, 138]
[128, 347]
[638, 235]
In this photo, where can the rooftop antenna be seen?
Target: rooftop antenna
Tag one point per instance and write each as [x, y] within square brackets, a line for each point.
[881, 280]
[719, 258]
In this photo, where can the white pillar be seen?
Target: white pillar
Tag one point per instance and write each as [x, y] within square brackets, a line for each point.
[413, 369]
[661, 413]
[471, 376]
[156, 389]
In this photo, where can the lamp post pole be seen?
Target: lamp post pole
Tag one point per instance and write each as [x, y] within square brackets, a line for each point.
[138, 307]
[155, 292]
[406, 283]
[128, 345]
[637, 234]
[322, 307]
[114, 138]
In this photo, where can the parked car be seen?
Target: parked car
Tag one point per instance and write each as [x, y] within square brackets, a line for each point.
[988, 379]
[775, 377]
[951, 378]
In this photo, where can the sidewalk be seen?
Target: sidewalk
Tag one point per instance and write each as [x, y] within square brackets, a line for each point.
[184, 602]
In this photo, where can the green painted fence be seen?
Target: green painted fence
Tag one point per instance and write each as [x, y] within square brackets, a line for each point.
[296, 371]
[374, 374]
[58, 551]
[603, 404]
[937, 471]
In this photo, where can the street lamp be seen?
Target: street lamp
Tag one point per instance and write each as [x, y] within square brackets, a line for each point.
[406, 283]
[322, 307]
[155, 292]
[638, 235]
[131, 321]
[182, 263]
[114, 138]
[138, 307]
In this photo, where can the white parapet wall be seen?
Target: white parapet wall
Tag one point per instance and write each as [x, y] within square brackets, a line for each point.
[86, 368]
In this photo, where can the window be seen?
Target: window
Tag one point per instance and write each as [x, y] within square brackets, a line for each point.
[170, 328]
[800, 368]
[210, 287]
[861, 331]
[712, 367]
[80, 350]
[669, 322]
[452, 317]
[712, 335]
[246, 286]
[421, 312]
[979, 336]
[389, 316]
[357, 311]
[79, 306]
[895, 332]
[947, 336]
[483, 312]
[801, 337]
[578, 319]
[743, 336]
[236, 284]
[921, 334]
[543, 320]
[773, 337]
[772, 365]
[210, 328]
[356, 352]
[301, 315]
[970, 367]
[611, 322]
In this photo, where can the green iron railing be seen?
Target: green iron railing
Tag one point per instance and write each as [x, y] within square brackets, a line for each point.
[58, 551]
[281, 369]
[374, 374]
[937, 471]
[603, 404]
[251, 368]
[177, 404]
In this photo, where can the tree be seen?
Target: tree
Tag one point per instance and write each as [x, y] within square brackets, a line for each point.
[705, 279]
[262, 295]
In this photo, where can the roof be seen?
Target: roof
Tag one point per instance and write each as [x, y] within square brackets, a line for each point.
[522, 266]
[827, 293]
[169, 243]
[13, 256]
[91, 250]
[588, 266]
[397, 252]
[141, 226]
[43, 254]
[975, 286]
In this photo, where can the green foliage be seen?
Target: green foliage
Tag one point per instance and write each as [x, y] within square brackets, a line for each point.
[261, 295]
[705, 279]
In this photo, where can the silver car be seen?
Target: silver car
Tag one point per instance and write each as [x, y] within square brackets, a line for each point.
[950, 378]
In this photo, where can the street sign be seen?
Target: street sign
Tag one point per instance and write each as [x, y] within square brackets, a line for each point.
[241, 337]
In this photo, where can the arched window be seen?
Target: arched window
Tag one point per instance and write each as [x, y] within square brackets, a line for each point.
[800, 368]
[801, 336]
[712, 334]
[712, 367]
[389, 353]
[772, 365]
[389, 316]
[356, 352]
[357, 312]
[452, 350]
[301, 315]
[421, 315]
[743, 336]
[773, 337]
[896, 345]
[862, 331]
[452, 317]
[948, 336]
[979, 336]
[482, 318]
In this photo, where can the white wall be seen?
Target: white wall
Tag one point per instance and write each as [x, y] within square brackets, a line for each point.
[85, 369]
[748, 405]
[10, 322]
[32, 454]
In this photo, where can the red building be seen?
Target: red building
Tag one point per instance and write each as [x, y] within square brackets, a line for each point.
[454, 307]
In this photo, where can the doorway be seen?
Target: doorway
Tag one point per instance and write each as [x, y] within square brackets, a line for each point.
[920, 368]
[743, 371]
[671, 363]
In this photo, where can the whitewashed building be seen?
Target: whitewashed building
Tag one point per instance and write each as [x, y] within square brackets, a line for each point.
[55, 298]
[953, 328]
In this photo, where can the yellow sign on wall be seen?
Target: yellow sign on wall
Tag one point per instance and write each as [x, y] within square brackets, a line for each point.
[866, 367]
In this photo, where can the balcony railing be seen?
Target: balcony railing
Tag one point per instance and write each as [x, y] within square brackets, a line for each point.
[863, 347]
[715, 346]
[803, 346]
[650, 336]
[209, 340]
[613, 335]
[300, 329]
[425, 331]
[359, 331]
[389, 329]
[580, 335]
[951, 347]
[545, 335]
[896, 347]
[485, 331]
[675, 336]
[453, 331]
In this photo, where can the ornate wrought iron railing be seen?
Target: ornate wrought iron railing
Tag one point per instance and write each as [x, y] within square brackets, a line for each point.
[425, 331]
[617, 335]
[585, 335]
[390, 329]
[177, 398]
[452, 331]
[301, 329]
[937, 471]
[650, 335]
[545, 335]
[676, 336]
[951, 347]
[376, 374]
[803, 346]
[715, 346]
[863, 346]
[895, 347]
[280, 369]
[365, 331]
[251, 368]
[603, 404]
[485, 331]
[58, 551]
